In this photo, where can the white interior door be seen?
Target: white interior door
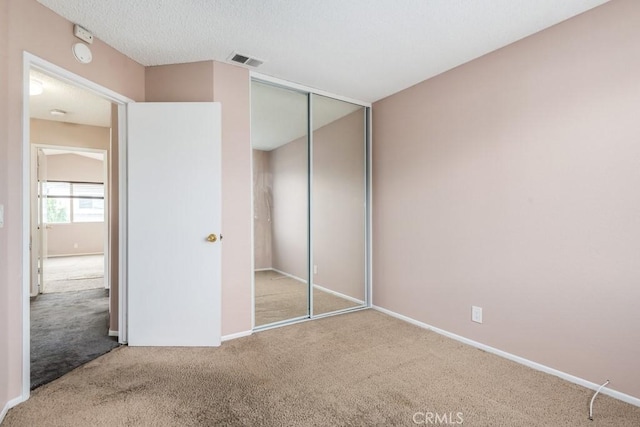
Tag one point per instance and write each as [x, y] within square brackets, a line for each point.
[173, 158]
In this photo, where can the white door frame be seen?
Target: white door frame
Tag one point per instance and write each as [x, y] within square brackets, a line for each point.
[35, 242]
[31, 61]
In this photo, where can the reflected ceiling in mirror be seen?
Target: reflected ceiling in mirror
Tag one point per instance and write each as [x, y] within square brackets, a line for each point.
[279, 116]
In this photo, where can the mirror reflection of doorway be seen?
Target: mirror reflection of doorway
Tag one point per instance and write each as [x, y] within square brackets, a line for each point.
[309, 204]
[70, 132]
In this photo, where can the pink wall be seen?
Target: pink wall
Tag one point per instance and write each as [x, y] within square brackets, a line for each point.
[49, 132]
[26, 25]
[231, 88]
[78, 237]
[74, 167]
[195, 78]
[290, 208]
[511, 183]
[339, 205]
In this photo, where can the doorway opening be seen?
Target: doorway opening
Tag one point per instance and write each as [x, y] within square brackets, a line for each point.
[70, 223]
[71, 136]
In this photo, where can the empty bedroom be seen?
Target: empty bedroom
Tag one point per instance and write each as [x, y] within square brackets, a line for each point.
[333, 213]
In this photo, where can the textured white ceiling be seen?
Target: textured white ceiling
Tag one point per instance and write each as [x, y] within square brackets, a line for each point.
[279, 116]
[82, 106]
[363, 49]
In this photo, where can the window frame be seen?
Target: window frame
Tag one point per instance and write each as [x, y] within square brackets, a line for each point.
[72, 197]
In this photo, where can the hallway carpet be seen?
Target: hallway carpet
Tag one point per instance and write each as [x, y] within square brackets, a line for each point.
[73, 273]
[68, 329]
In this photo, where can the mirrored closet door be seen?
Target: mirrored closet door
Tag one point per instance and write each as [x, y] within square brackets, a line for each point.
[309, 204]
[279, 139]
[338, 205]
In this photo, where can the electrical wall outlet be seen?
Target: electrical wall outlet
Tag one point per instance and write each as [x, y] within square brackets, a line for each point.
[476, 314]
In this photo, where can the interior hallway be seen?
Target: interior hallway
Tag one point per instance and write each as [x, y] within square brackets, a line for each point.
[73, 273]
[70, 320]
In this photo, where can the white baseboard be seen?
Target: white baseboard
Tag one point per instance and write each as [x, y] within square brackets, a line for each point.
[289, 275]
[236, 335]
[280, 272]
[526, 362]
[338, 294]
[10, 404]
[72, 255]
[322, 288]
[113, 333]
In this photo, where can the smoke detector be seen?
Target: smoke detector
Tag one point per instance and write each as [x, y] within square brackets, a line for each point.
[239, 58]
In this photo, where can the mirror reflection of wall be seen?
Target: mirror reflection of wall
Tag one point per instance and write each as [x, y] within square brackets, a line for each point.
[283, 208]
[338, 205]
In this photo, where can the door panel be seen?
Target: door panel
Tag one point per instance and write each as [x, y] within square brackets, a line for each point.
[279, 126]
[173, 206]
[338, 205]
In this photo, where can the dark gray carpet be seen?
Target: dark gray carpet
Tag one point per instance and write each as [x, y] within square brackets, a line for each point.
[68, 329]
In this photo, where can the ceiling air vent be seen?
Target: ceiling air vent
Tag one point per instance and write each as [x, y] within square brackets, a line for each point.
[245, 60]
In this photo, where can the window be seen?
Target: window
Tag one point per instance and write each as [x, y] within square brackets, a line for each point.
[68, 202]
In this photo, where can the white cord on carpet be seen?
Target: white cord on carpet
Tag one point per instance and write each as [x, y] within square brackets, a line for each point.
[593, 398]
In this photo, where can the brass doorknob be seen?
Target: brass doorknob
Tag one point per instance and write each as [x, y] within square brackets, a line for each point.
[212, 238]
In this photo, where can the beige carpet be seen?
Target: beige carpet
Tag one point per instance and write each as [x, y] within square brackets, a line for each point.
[357, 369]
[73, 273]
[279, 297]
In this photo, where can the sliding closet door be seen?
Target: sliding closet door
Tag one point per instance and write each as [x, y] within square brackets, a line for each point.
[338, 205]
[279, 135]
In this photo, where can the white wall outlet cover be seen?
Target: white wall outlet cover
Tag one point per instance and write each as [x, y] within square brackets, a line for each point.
[476, 314]
[82, 53]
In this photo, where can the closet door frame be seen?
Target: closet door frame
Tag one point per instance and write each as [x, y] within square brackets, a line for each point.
[368, 294]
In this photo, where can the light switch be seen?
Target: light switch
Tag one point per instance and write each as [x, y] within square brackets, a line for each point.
[1, 216]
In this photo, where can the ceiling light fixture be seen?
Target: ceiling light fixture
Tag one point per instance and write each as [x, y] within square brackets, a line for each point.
[35, 87]
[57, 112]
